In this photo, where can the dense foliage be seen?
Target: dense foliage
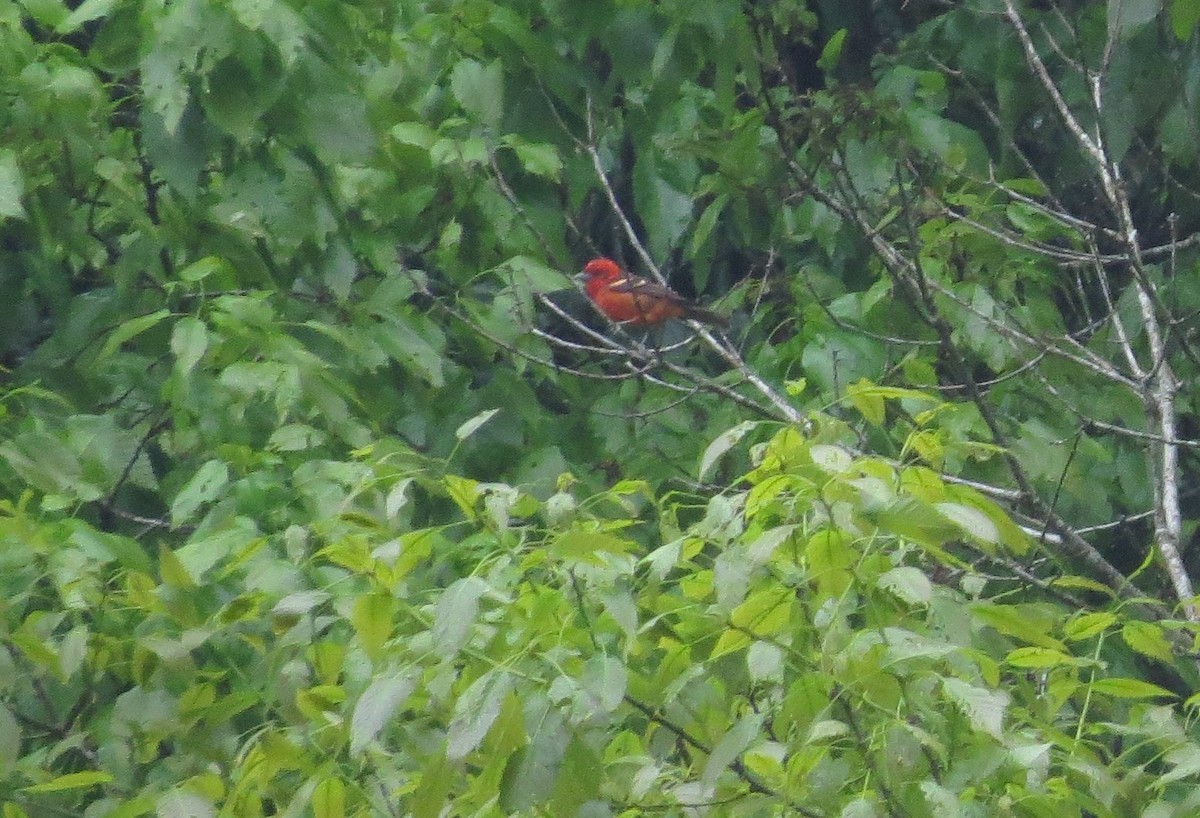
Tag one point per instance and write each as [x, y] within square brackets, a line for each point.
[323, 491]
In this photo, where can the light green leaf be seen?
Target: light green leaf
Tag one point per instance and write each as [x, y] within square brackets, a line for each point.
[479, 89]
[71, 781]
[455, 614]
[722, 444]
[131, 329]
[908, 583]
[204, 487]
[475, 711]
[189, 341]
[983, 708]
[1148, 639]
[373, 621]
[12, 186]
[1131, 689]
[329, 798]
[377, 705]
[414, 133]
[85, 12]
[1087, 625]
[972, 521]
[730, 747]
[604, 680]
[469, 427]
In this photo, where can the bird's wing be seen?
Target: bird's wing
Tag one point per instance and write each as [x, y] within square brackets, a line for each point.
[644, 287]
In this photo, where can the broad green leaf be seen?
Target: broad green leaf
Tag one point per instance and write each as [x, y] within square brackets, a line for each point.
[730, 746]
[604, 679]
[1131, 689]
[579, 779]
[588, 545]
[376, 707]
[479, 89]
[468, 428]
[1148, 639]
[12, 186]
[908, 583]
[10, 740]
[983, 708]
[456, 611]
[731, 639]
[429, 799]
[540, 160]
[205, 486]
[181, 803]
[1185, 16]
[372, 619]
[189, 341]
[831, 54]
[1041, 658]
[722, 444]
[475, 711]
[131, 329]
[977, 525]
[1087, 625]
[1126, 15]
[329, 798]
[71, 781]
[414, 133]
[765, 612]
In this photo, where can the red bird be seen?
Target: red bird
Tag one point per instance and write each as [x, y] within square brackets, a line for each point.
[639, 302]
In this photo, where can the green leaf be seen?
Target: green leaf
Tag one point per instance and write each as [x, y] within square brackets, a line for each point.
[586, 545]
[189, 341]
[1185, 16]
[831, 54]
[455, 614]
[414, 133]
[372, 620]
[908, 583]
[377, 705]
[12, 186]
[1124, 16]
[430, 798]
[479, 89]
[329, 798]
[765, 612]
[1148, 639]
[85, 12]
[730, 747]
[131, 329]
[983, 708]
[1131, 689]
[722, 444]
[475, 711]
[181, 803]
[468, 428]
[578, 781]
[708, 221]
[604, 679]
[1087, 625]
[71, 781]
[1041, 658]
[413, 350]
[974, 523]
[540, 160]
[204, 487]
[10, 740]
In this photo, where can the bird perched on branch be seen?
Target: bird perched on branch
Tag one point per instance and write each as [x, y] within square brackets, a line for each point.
[639, 302]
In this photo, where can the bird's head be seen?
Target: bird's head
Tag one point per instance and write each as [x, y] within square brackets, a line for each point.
[602, 269]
